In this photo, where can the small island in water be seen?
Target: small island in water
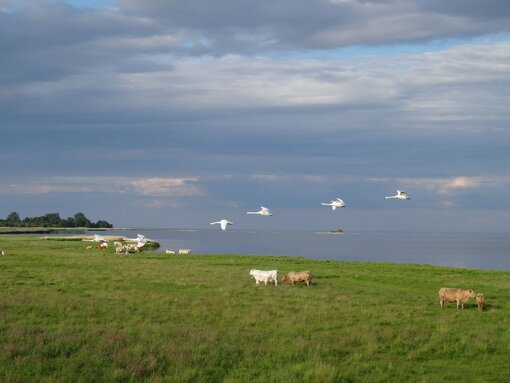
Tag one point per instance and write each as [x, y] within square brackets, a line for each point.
[337, 231]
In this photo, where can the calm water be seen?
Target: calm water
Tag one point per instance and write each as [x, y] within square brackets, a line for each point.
[480, 251]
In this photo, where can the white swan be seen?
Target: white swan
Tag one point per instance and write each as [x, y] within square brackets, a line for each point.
[400, 195]
[139, 237]
[223, 223]
[263, 211]
[99, 238]
[334, 204]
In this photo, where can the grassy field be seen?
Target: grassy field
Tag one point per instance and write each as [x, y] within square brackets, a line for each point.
[71, 315]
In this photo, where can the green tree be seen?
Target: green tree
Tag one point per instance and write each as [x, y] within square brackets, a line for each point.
[52, 219]
[13, 219]
[81, 221]
[103, 224]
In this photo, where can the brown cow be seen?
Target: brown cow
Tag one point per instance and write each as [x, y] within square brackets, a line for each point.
[459, 296]
[480, 300]
[294, 277]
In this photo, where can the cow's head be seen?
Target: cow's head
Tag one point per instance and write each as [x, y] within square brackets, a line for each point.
[471, 294]
[285, 278]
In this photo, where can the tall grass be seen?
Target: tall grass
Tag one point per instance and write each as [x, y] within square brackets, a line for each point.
[71, 315]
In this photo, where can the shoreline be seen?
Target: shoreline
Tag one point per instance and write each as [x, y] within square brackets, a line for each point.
[46, 230]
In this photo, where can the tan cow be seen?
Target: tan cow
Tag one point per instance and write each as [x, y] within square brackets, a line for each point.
[88, 248]
[480, 300]
[459, 296]
[294, 277]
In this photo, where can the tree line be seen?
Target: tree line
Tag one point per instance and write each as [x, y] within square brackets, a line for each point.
[52, 220]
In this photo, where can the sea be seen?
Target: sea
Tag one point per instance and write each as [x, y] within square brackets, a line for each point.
[463, 250]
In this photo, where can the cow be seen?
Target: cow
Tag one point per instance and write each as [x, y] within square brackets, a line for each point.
[294, 277]
[132, 247]
[264, 276]
[169, 251]
[184, 251]
[88, 248]
[459, 296]
[480, 301]
[2, 252]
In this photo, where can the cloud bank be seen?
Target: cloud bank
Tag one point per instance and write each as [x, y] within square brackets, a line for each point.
[284, 103]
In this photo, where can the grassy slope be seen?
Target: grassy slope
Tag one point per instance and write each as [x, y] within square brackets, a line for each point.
[67, 314]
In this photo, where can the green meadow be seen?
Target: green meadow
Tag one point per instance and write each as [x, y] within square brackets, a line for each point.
[73, 315]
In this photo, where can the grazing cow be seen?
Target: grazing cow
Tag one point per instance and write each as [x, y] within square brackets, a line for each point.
[459, 296]
[119, 249]
[103, 245]
[264, 276]
[169, 251]
[480, 300]
[184, 251]
[88, 248]
[294, 277]
[2, 252]
[132, 246]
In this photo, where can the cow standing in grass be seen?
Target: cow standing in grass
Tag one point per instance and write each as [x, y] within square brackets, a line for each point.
[264, 276]
[459, 296]
[480, 300]
[2, 252]
[294, 277]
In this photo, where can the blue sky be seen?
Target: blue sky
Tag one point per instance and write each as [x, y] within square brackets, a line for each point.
[176, 114]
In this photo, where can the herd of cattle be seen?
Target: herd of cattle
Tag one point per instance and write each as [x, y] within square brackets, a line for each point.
[269, 276]
[446, 294]
[459, 296]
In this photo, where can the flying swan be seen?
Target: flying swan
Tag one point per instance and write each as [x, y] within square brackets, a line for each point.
[223, 223]
[334, 204]
[263, 211]
[400, 195]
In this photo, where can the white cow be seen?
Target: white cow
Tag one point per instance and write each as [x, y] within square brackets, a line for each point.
[169, 251]
[184, 251]
[264, 276]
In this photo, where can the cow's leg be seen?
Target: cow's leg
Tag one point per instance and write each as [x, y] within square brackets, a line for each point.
[265, 281]
[257, 282]
[276, 282]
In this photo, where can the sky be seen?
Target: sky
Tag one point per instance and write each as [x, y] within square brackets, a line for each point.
[162, 113]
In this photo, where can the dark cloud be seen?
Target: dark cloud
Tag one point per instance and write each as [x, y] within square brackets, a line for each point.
[228, 94]
[230, 25]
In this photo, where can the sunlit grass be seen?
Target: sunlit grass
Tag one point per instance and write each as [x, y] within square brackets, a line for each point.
[69, 315]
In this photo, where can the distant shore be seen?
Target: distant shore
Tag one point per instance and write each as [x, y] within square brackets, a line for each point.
[339, 231]
[46, 230]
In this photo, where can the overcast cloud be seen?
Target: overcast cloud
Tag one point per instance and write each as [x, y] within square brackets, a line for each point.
[199, 110]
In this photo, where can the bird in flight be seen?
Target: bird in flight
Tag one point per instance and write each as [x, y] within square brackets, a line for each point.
[223, 223]
[263, 211]
[400, 195]
[335, 203]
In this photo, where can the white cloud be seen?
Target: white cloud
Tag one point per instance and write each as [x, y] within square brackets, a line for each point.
[166, 187]
[149, 187]
[448, 186]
